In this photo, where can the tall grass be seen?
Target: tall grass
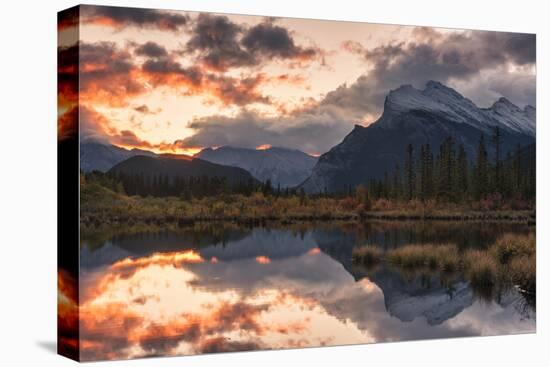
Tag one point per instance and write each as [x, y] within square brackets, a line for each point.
[433, 256]
[511, 246]
[481, 268]
[509, 261]
[367, 255]
[523, 272]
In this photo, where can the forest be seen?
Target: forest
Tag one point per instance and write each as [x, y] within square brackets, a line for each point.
[446, 176]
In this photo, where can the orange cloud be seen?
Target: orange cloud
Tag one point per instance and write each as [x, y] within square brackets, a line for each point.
[194, 81]
[263, 260]
[164, 258]
[67, 124]
[314, 251]
[67, 314]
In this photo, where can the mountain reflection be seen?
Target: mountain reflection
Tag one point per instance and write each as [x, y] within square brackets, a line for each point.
[268, 289]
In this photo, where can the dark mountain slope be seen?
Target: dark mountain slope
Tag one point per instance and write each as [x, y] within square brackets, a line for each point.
[417, 117]
[179, 168]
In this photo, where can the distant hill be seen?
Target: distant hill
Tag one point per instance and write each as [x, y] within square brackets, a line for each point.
[98, 156]
[284, 167]
[162, 176]
[417, 117]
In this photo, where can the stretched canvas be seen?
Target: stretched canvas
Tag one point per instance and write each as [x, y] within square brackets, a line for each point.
[235, 183]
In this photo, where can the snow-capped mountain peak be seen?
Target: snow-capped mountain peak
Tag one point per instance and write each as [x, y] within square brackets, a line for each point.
[449, 104]
[282, 166]
[512, 117]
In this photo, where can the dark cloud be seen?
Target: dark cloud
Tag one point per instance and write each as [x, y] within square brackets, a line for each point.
[270, 40]
[314, 131]
[215, 38]
[222, 44]
[457, 59]
[119, 17]
[151, 49]
[144, 109]
[67, 18]
[168, 71]
[104, 58]
[222, 344]
[109, 75]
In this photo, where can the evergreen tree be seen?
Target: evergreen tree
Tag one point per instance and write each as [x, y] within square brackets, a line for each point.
[462, 171]
[409, 172]
[396, 185]
[497, 141]
[481, 170]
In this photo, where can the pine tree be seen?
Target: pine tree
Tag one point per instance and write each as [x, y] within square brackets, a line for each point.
[396, 186]
[517, 169]
[425, 172]
[481, 170]
[409, 172]
[462, 171]
[497, 141]
[429, 171]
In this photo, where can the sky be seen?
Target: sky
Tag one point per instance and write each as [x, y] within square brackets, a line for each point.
[177, 82]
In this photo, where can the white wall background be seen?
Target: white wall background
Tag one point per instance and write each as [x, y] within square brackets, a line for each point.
[28, 182]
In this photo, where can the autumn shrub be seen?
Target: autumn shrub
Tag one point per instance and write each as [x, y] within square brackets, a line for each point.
[367, 255]
[523, 272]
[382, 205]
[481, 268]
[433, 256]
[348, 203]
[511, 246]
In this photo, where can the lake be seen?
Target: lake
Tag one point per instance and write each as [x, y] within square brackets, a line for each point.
[221, 287]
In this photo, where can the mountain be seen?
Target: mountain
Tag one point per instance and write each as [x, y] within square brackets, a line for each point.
[406, 298]
[97, 156]
[413, 116]
[155, 167]
[282, 166]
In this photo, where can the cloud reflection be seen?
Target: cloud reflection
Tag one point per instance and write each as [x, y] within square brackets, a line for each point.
[153, 305]
[187, 303]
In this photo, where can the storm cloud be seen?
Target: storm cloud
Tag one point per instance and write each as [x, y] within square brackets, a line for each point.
[215, 38]
[151, 49]
[222, 44]
[270, 40]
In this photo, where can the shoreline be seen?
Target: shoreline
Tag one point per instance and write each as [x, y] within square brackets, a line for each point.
[527, 217]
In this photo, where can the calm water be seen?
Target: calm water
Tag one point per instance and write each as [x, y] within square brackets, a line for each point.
[218, 288]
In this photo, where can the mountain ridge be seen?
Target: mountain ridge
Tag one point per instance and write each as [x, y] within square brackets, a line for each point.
[282, 166]
[413, 116]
